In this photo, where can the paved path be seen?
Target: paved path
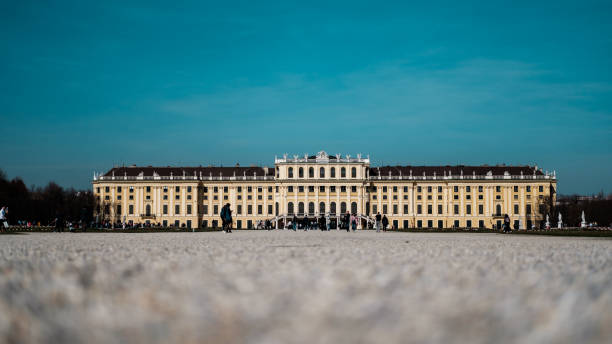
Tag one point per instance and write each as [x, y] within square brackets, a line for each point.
[315, 287]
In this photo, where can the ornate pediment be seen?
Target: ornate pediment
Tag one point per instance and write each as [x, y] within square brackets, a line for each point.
[322, 156]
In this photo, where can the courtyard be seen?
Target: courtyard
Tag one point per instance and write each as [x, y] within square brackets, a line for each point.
[292, 287]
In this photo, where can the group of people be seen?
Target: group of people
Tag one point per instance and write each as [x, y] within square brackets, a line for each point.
[346, 222]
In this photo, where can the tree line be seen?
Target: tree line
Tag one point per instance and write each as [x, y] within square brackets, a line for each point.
[596, 209]
[44, 204]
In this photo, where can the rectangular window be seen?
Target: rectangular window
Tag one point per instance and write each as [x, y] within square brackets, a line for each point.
[321, 188]
[480, 224]
[311, 188]
[239, 189]
[107, 189]
[528, 209]
[259, 197]
[419, 209]
[429, 209]
[165, 209]
[456, 189]
[205, 209]
[384, 209]
[395, 209]
[480, 196]
[429, 223]
[374, 209]
[177, 197]
[516, 188]
[332, 189]
[300, 189]
[440, 209]
[250, 209]
[395, 189]
[177, 209]
[165, 197]
[215, 209]
[468, 223]
[480, 188]
[188, 209]
[528, 188]
[98, 190]
[289, 188]
[189, 189]
[239, 209]
[119, 189]
[468, 189]
[439, 189]
[429, 189]
[540, 188]
[259, 189]
[440, 224]
[456, 209]
[516, 208]
[269, 189]
[353, 189]
[259, 209]
[131, 197]
[177, 189]
[249, 189]
[269, 209]
[419, 189]
[405, 189]
[215, 189]
[468, 209]
[497, 188]
[405, 208]
[119, 197]
[131, 209]
[343, 189]
[419, 224]
[480, 209]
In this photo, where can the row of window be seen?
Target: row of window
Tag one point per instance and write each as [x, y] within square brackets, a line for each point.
[332, 172]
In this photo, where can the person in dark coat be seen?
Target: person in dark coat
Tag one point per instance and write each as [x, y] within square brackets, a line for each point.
[347, 221]
[385, 223]
[322, 224]
[506, 223]
[378, 222]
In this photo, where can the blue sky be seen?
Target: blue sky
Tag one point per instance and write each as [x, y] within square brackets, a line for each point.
[88, 85]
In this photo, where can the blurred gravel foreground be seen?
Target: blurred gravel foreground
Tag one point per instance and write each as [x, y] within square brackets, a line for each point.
[304, 287]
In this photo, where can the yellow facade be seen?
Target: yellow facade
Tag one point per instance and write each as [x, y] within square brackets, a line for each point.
[431, 197]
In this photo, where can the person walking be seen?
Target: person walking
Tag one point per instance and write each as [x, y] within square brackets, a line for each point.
[327, 222]
[322, 222]
[226, 218]
[385, 223]
[294, 222]
[347, 221]
[506, 223]
[354, 222]
[378, 220]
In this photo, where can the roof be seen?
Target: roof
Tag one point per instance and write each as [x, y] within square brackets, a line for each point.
[133, 171]
[453, 170]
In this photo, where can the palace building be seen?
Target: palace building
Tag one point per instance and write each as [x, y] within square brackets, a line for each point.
[410, 196]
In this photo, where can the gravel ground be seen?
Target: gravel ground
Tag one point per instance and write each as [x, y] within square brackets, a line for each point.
[316, 287]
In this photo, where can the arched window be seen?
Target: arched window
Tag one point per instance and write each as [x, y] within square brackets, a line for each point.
[290, 208]
[343, 208]
[322, 172]
[353, 172]
[310, 172]
[276, 213]
[332, 208]
[311, 208]
[148, 210]
[354, 208]
[332, 172]
[301, 208]
[321, 208]
[301, 173]
[290, 171]
[343, 172]
[498, 209]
